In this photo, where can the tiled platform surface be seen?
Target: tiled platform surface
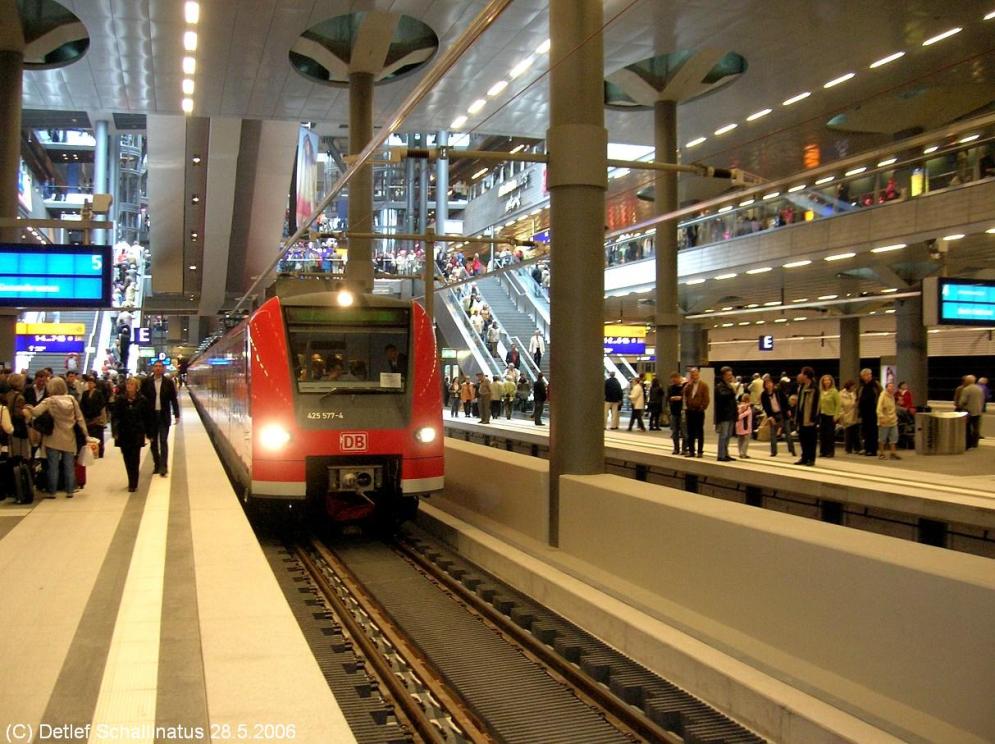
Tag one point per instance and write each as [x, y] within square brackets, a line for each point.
[151, 609]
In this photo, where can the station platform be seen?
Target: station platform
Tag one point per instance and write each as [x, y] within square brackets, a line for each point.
[127, 612]
[950, 489]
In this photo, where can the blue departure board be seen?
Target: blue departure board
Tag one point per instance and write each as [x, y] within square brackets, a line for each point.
[966, 302]
[55, 276]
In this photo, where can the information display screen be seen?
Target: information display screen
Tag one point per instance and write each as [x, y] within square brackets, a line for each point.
[625, 340]
[966, 302]
[50, 344]
[55, 276]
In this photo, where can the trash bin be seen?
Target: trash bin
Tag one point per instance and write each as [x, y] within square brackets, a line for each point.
[941, 433]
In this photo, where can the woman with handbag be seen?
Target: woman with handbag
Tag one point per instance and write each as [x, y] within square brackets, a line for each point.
[94, 407]
[68, 428]
[19, 446]
[128, 417]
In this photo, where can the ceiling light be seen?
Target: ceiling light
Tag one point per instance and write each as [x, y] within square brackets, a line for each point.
[725, 208]
[801, 299]
[753, 305]
[543, 48]
[940, 37]
[840, 256]
[747, 203]
[727, 325]
[955, 236]
[744, 322]
[889, 291]
[517, 148]
[189, 65]
[187, 105]
[695, 281]
[187, 87]
[722, 277]
[889, 312]
[989, 16]
[195, 160]
[761, 270]
[190, 41]
[458, 122]
[478, 174]
[781, 320]
[695, 142]
[760, 322]
[772, 195]
[930, 149]
[521, 67]
[534, 212]
[796, 99]
[841, 79]
[496, 89]
[476, 106]
[828, 297]
[801, 317]
[759, 114]
[888, 248]
[990, 231]
[727, 308]
[856, 171]
[825, 179]
[794, 189]
[191, 11]
[195, 199]
[192, 267]
[888, 161]
[772, 303]
[726, 128]
[797, 264]
[968, 138]
[886, 60]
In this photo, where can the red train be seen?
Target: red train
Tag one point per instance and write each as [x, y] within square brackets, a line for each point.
[328, 400]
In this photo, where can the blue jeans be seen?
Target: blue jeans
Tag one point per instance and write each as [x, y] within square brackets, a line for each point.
[725, 434]
[65, 460]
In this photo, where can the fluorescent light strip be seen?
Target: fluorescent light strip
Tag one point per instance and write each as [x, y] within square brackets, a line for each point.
[191, 11]
[753, 305]
[955, 236]
[695, 281]
[773, 195]
[726, 128]
[886, 60]
[721, 277]
[930, 149]
[747, 203]
[773, 303]
[761, 270]
[695, 142]
[841, 79]
[476, 106]
[828, 297]
[856, 171]
[521, 67]
[190, 41]
[187, 105]
[478, 174]
[940, 37]
[458, 122]
[797, 264]
[796, 99]
[496, 89]
[795, 189]
[889, 291]
[759, 114]
[825, 179]
[989, 16]
[968, 138]
[888, 248]
[543, 48]
[189, 65]
[990, 231]
[801, 299]
[888, 161]
[725, 208]
[781, 320]
[187, 87]
[840, 256]
[518, 148]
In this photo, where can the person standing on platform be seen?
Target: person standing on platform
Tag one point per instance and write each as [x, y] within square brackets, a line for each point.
[725, 411]
[128, 419]
[972, 400]
[454, 396]
[60, 446]
[539, 395]
[161, 394]
[696, 399]
[868, 393]
[537, 347]
[807, 415]
[38, 390]
[655, 406]
[467, 394]
[744, 425]
[756, 388]
[829, 413]
[887, 416]
[775, 407]
[848, 417]
[19, 448]
[93, 404]
[484, 397]
[637, 399]
[675, 399]
[613, 401]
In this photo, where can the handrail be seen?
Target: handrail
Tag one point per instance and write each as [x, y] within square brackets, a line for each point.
[476, 344]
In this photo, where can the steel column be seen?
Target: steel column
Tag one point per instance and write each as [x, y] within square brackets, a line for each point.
[668, 318]
[577, 185]
[849, 349]
[359, 270]
[911, 341]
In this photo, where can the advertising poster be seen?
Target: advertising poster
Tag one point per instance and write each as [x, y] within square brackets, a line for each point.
[307, 173]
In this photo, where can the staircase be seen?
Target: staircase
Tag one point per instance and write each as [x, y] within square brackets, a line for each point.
[89, 319]
[510, 318]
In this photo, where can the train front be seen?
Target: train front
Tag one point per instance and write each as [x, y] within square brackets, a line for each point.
[346, 405]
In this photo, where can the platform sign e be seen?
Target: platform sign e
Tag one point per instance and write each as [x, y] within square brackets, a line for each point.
[766, 343]
[353, 441]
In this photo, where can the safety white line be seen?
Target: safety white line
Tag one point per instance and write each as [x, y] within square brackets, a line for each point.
[127, 701]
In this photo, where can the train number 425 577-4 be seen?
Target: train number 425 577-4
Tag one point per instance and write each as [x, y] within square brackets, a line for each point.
[324, 415]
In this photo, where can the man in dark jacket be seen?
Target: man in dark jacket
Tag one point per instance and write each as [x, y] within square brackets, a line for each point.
[513, 357]
[725, 411]
[675, 398]
[696, 400]
[868, 392]
[807, 415]
[160, 391]
[613, 400]
[539, 398]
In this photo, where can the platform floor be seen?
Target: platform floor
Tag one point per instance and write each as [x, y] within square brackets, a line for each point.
[124, 612]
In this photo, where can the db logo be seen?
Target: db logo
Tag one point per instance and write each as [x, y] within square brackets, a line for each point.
[353, 441]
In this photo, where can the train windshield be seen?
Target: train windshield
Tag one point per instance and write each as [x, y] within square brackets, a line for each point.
[349, 350]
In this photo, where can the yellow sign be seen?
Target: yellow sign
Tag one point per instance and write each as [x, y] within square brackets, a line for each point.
[633, 331]
[50, 329]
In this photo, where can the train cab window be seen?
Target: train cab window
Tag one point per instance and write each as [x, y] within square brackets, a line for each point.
[361, 350]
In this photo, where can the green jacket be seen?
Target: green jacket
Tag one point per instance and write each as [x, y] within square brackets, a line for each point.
[829, 402]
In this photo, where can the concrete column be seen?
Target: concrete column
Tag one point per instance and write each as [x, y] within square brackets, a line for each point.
[409, 194]
[668, 317]
[910, 345]
[359, 270]
[577, 186]
[849, 350]
[11, 72]
[694, 348]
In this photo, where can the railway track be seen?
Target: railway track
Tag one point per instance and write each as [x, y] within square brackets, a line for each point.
[459, 657]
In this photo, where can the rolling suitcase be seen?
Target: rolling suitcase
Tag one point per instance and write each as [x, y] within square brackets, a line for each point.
[80, 471]
[24, 487]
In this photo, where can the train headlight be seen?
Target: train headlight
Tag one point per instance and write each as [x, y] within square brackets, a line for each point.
[274, 437]
[426, 434]
[344, 298]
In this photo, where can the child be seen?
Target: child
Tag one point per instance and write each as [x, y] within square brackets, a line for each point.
[744, 425]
